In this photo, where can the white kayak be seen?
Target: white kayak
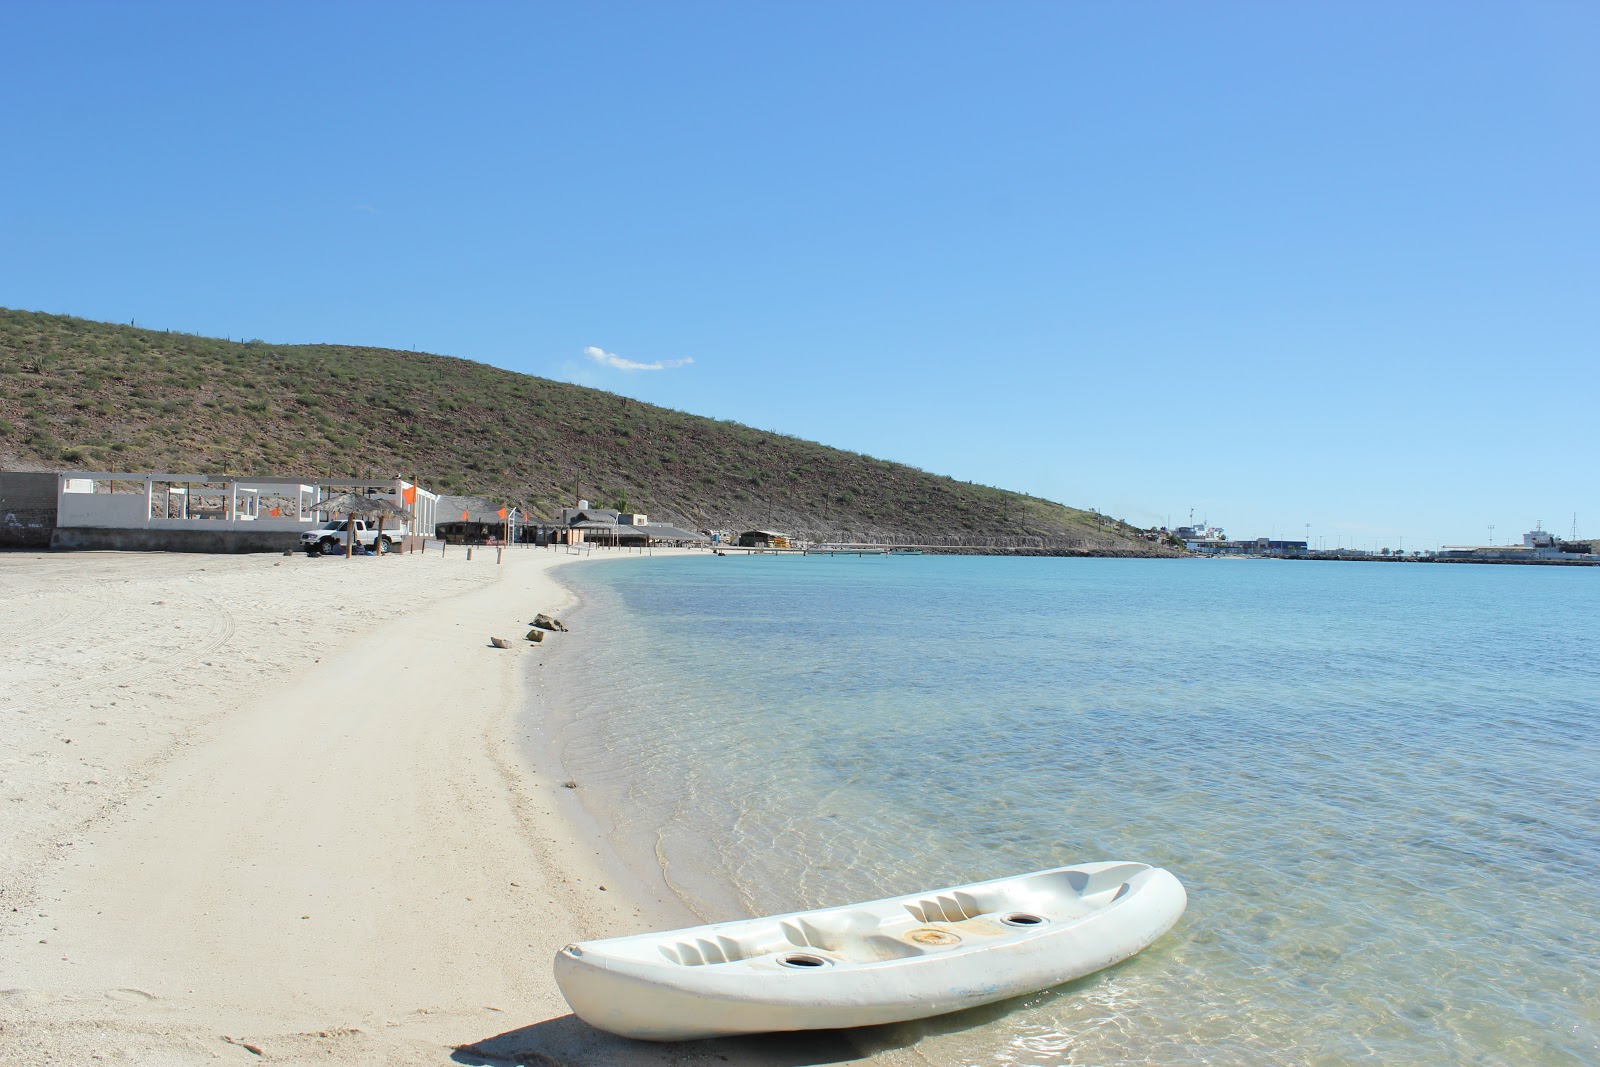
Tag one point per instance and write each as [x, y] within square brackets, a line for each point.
[880, 962]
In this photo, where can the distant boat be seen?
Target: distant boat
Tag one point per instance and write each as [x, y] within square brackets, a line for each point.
[879, 962]
[905, 552]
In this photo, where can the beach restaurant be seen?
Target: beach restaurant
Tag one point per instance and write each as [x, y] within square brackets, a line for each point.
[475, 520]
[623, 529]
[762, 539]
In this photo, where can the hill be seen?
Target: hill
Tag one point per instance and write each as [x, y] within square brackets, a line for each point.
[102, 396]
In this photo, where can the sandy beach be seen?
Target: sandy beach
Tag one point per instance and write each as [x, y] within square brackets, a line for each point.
[270, 808]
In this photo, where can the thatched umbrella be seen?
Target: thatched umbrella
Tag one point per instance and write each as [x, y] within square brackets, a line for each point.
[353, 504]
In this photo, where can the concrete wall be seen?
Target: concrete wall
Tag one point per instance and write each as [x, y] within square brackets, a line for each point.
[222, 540]
[132, 511]
[114, 511]
[27, 509]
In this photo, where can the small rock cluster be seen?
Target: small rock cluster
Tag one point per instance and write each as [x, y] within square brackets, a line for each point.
[541, 624]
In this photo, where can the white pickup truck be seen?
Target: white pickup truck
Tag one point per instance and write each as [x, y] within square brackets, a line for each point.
[329, 538]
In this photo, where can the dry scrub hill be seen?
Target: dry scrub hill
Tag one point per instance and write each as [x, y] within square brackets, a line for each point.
[99, 396]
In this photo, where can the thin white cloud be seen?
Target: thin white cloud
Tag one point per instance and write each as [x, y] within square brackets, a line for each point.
[611, 359]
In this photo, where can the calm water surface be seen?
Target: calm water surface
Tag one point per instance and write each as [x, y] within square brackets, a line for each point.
[1378, 782]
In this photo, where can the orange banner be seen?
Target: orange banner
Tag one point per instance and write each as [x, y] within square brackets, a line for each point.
[463, 516]
[502, 514]
[410, 494]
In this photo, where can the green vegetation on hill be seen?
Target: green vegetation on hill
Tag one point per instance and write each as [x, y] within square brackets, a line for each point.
[101, 396]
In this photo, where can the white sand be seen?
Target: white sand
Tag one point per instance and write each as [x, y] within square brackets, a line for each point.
[271, 809]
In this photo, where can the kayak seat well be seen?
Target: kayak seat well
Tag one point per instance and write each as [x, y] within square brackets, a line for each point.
[948, 908]
[699, 951]
[1060, 900]
[848, 938]
[951, 921]
[855, 939]
[1060, 895]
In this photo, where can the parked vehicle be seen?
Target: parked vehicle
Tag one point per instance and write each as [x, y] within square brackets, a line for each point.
[330, 538]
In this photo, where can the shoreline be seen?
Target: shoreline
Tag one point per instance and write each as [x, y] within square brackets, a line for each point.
[533, 729]
[279, 804]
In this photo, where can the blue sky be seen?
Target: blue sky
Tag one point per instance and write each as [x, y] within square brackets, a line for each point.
[1325, 264]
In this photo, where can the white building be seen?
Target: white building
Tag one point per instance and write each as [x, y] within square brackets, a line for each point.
[1203, 538]
[210, 512]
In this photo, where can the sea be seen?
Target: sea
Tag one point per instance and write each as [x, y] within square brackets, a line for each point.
[1379, 782]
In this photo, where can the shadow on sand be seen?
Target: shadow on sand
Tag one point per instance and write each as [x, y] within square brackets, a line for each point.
[568, 1041]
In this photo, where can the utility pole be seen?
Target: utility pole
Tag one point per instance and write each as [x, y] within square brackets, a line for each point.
[1491, 535]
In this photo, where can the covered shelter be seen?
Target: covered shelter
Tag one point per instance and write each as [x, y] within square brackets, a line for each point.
[632, 534]
[480, 521]
[353, 505]
[762, 539]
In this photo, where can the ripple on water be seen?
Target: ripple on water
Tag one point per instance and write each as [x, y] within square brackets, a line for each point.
[1378, 784]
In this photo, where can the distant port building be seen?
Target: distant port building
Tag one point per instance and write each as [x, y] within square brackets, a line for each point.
[1209, 540]
[1201, 538]
[1266, 546]
[1538, 546]
[1257, 546]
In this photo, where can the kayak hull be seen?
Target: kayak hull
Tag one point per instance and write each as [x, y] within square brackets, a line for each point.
[878, 962]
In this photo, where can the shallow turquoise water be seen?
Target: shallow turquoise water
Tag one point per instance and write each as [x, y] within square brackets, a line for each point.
[1378, 782]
